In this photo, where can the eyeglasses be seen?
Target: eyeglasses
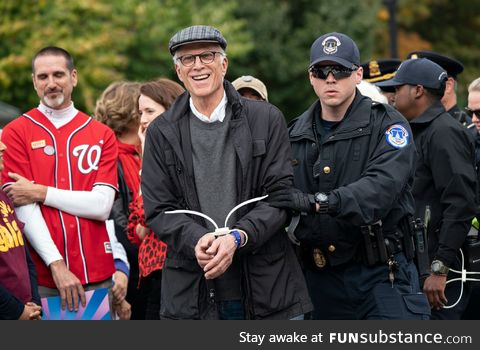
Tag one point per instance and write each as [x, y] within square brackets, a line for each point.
[339, 72]
[206, 57]
[471, 112]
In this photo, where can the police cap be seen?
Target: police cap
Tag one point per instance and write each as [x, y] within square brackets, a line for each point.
[419, 71]
[452, 66]
[380, 70]
[335, 47]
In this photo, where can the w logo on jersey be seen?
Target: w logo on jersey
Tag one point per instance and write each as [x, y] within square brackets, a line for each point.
[89, 155]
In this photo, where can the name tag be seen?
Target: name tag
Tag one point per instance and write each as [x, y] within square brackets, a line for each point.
[38, 144]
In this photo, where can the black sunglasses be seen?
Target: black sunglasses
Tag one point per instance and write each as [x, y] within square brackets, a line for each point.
[471, 112]
[339, 72]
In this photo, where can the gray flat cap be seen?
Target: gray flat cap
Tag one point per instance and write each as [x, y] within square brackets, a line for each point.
[194, 34]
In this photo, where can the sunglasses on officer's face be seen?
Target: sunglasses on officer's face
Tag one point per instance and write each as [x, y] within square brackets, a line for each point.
[339, 72]
[471, 112]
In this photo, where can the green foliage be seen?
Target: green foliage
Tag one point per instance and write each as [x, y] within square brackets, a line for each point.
[283, 32]
[125, 39]
[271, 39]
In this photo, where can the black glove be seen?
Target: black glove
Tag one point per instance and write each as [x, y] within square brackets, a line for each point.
[292, 198]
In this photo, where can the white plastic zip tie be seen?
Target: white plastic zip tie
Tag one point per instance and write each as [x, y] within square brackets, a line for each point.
[463, 280]
[222, 230]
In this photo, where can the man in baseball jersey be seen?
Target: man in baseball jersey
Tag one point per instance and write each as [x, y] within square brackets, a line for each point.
[60, 171]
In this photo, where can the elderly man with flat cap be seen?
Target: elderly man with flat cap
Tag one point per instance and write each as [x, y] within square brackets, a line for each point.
[209, 152]
[444, 184]
[354, 161]
[453, 68]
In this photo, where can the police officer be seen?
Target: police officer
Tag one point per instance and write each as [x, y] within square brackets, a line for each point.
[444, 185]
[353, 168]
[453, 69]
[376, 71]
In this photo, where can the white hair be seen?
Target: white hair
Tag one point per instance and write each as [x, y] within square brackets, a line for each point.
[474, 85]
[372, 91]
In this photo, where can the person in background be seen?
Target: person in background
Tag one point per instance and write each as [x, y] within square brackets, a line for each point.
[472, 311]
[372, 91]
[353, 170]
[444, 187]
[453, 68]
[251, 87]
[376, 71]
[19, 298]
[211, 151]
[155, 98]
[116, 108]
[60, 172]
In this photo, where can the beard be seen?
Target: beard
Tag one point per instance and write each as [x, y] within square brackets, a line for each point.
[54, 102]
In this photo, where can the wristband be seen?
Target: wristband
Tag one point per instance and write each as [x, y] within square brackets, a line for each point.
[238, 238]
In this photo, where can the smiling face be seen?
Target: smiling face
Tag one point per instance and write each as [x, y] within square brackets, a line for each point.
[204, 81]
[53, 81]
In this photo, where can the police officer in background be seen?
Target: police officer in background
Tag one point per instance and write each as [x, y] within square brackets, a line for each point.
[453, 69]
[444, 185]
[353, 170]
[376, 71]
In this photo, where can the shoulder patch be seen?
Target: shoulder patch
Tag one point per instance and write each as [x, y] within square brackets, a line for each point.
[397, 136]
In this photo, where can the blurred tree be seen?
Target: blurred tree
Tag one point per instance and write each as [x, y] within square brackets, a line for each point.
[448, 27]
[283, 32]
[128, 39]
[124, 39]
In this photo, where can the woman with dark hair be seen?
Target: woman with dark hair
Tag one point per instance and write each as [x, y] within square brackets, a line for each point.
[155, 98]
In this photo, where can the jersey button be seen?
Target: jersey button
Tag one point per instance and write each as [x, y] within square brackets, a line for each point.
[331, 248]
[327, 170]
[62, 179]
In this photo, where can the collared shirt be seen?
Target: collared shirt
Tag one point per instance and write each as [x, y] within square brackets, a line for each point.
[218, 113]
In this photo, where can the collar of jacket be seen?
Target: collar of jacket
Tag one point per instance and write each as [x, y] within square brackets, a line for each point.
[358, 116]
[181, 107]
[430, 114]
[175, 127]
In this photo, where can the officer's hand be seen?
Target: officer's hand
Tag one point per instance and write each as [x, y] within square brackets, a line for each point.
[434, 288]
[292, 198]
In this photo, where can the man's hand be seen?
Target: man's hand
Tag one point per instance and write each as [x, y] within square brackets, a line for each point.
[203, 258]
[68, 285]
[119, 289]
[123, 310]
[434, 288]
[24, 192]
[31, 311]
[292, 198]
[222, 249]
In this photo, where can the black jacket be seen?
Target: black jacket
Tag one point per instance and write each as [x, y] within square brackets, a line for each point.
[358, 164]
[272, 282]
[444, 180]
